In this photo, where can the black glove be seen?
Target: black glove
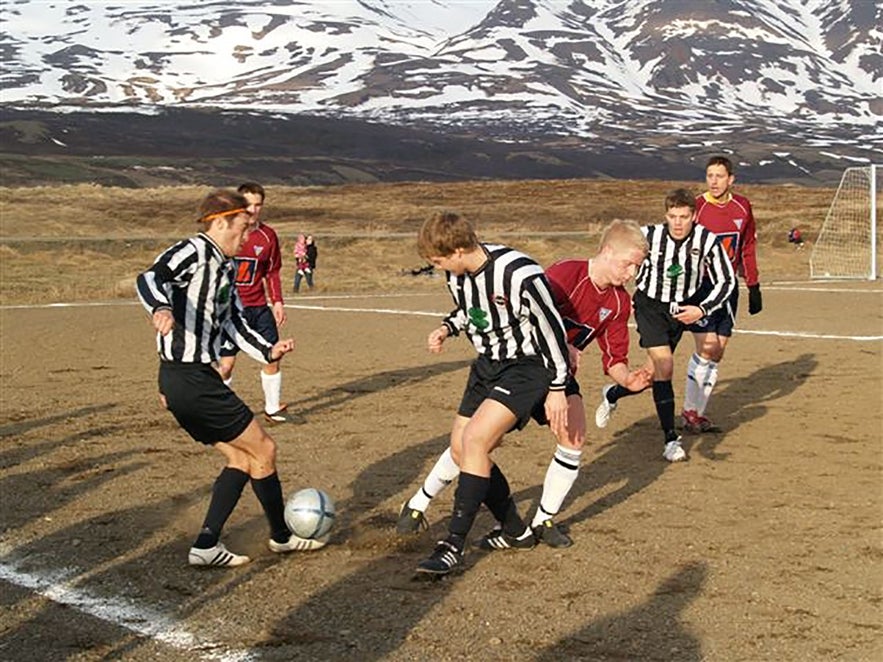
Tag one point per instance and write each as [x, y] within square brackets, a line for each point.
[755, 300]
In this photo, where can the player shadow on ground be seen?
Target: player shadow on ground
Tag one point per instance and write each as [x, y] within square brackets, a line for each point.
[29, 495]
[20, 427]
[88, 559]
[17, 455]
[650, 631]
[743, 400]
[343, 394]
[633, 459]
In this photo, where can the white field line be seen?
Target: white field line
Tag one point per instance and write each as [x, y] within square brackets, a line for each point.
[842, 290]
[142, 621]
[440, 314]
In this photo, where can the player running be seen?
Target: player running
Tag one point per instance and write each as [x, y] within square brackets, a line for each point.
[258, 264]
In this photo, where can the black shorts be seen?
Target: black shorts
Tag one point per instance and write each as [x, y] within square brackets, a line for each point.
[656, 326]
[259, 318]
[518, 384]
[201, 403]
[539, 412]
[722, 320]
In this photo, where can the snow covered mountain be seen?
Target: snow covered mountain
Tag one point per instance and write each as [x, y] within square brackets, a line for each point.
[598, 71]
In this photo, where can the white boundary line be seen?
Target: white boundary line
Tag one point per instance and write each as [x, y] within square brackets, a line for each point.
[433, 313]
[767, 288]
[121, 613]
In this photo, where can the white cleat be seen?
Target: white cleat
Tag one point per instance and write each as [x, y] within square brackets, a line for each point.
[674, 452]
[298, 544]
[605, 409]
[217, 556]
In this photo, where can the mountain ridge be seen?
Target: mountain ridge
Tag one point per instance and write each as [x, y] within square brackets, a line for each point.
[756, 77]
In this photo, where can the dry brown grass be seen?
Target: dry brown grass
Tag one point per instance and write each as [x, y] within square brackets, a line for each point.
[94, 240]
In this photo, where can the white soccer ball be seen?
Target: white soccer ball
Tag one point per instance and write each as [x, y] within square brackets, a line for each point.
[309, 513]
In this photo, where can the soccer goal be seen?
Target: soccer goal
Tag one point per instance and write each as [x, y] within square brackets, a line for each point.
[847, 244]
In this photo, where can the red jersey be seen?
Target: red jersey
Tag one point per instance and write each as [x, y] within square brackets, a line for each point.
[590, 313]
[732, 221]
[259, 259]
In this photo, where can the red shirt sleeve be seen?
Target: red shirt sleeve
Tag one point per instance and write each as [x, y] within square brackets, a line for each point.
[274, 267]
[749, 246]
[613, 341]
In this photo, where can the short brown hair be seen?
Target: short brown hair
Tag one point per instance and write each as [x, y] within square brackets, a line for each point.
[252, 187]
[624, 234]
[720, 160]
[220, 201]
[443, 233]
[680, 197]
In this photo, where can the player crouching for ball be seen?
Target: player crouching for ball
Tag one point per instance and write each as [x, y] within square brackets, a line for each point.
[190, 295]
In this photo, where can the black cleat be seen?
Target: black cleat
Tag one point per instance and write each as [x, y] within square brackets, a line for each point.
[553, 535]
[497, 539]
[411, 520]
[445, 558]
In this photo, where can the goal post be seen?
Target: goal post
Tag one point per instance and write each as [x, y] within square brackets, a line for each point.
[847, 243]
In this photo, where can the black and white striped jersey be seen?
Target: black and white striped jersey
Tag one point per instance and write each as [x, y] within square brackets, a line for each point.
[507, 310]
[195, 280]
[674, 269]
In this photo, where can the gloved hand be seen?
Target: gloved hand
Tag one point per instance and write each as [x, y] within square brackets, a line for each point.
[755, 300]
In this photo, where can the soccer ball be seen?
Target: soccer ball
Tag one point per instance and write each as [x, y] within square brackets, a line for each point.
[309, 513]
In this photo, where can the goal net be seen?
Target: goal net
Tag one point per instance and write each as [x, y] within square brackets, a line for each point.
[847, 244]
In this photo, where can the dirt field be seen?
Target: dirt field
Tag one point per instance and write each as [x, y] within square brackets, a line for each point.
[766, 545]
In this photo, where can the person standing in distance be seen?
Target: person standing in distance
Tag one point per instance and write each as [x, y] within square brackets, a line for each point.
[504, 305]
[730, 217]
[312, 257]
[190, 294]
[595, 307]
[258, 264]
[685, 277]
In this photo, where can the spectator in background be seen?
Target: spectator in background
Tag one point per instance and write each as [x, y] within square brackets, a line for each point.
[312, 254]
[301, 264]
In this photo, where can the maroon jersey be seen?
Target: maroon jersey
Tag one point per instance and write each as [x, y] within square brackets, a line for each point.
[259, 258]
[733, 221]
[590, 313]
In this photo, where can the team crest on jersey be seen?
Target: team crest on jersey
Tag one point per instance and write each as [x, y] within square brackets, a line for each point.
[258, 250]
[224, 293]
[501, 300]
[478, 317]
[603, 314]
[738, 222]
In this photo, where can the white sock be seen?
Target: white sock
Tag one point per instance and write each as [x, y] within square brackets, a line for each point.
[228, 381]
[272, 385]
[560, 477]
[696, 368]
[441, 475]
[707, 387]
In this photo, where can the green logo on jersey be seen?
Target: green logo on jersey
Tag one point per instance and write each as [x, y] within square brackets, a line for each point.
[479, 318]
[224, 294]
[675, 270]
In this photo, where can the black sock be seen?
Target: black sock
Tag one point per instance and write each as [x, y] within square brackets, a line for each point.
[225, 495]
[269, 492]
[471, 492]
[617, 392]
[664, 397]
[499, 501]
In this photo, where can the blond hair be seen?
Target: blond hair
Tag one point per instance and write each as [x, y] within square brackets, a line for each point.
[624, 234]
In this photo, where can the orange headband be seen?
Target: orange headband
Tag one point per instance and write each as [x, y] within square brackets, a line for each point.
[221, 214]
